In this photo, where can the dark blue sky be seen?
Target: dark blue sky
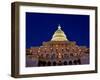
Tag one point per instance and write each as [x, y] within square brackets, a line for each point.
[41, 26]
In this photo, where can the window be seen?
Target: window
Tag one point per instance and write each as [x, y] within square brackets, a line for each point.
[79, 61]
[65, 62]
[54, 63]
[49, 63]
[70, 62]
[75, 62]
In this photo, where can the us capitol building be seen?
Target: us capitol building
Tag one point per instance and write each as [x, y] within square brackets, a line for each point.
[58, 51]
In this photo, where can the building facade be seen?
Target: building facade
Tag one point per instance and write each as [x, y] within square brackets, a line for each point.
[58, 51]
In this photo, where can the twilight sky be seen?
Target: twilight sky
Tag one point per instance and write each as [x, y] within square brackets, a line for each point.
[41, 26]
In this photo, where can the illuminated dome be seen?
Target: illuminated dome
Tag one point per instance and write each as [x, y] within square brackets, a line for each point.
[59, 35]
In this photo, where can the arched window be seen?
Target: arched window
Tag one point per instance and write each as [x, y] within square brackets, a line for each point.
[75, 62]
[44, 63]
[54, 63]
[79, 61]
[65, 62]
[70, 62]
[40, 63]
[49, 63]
